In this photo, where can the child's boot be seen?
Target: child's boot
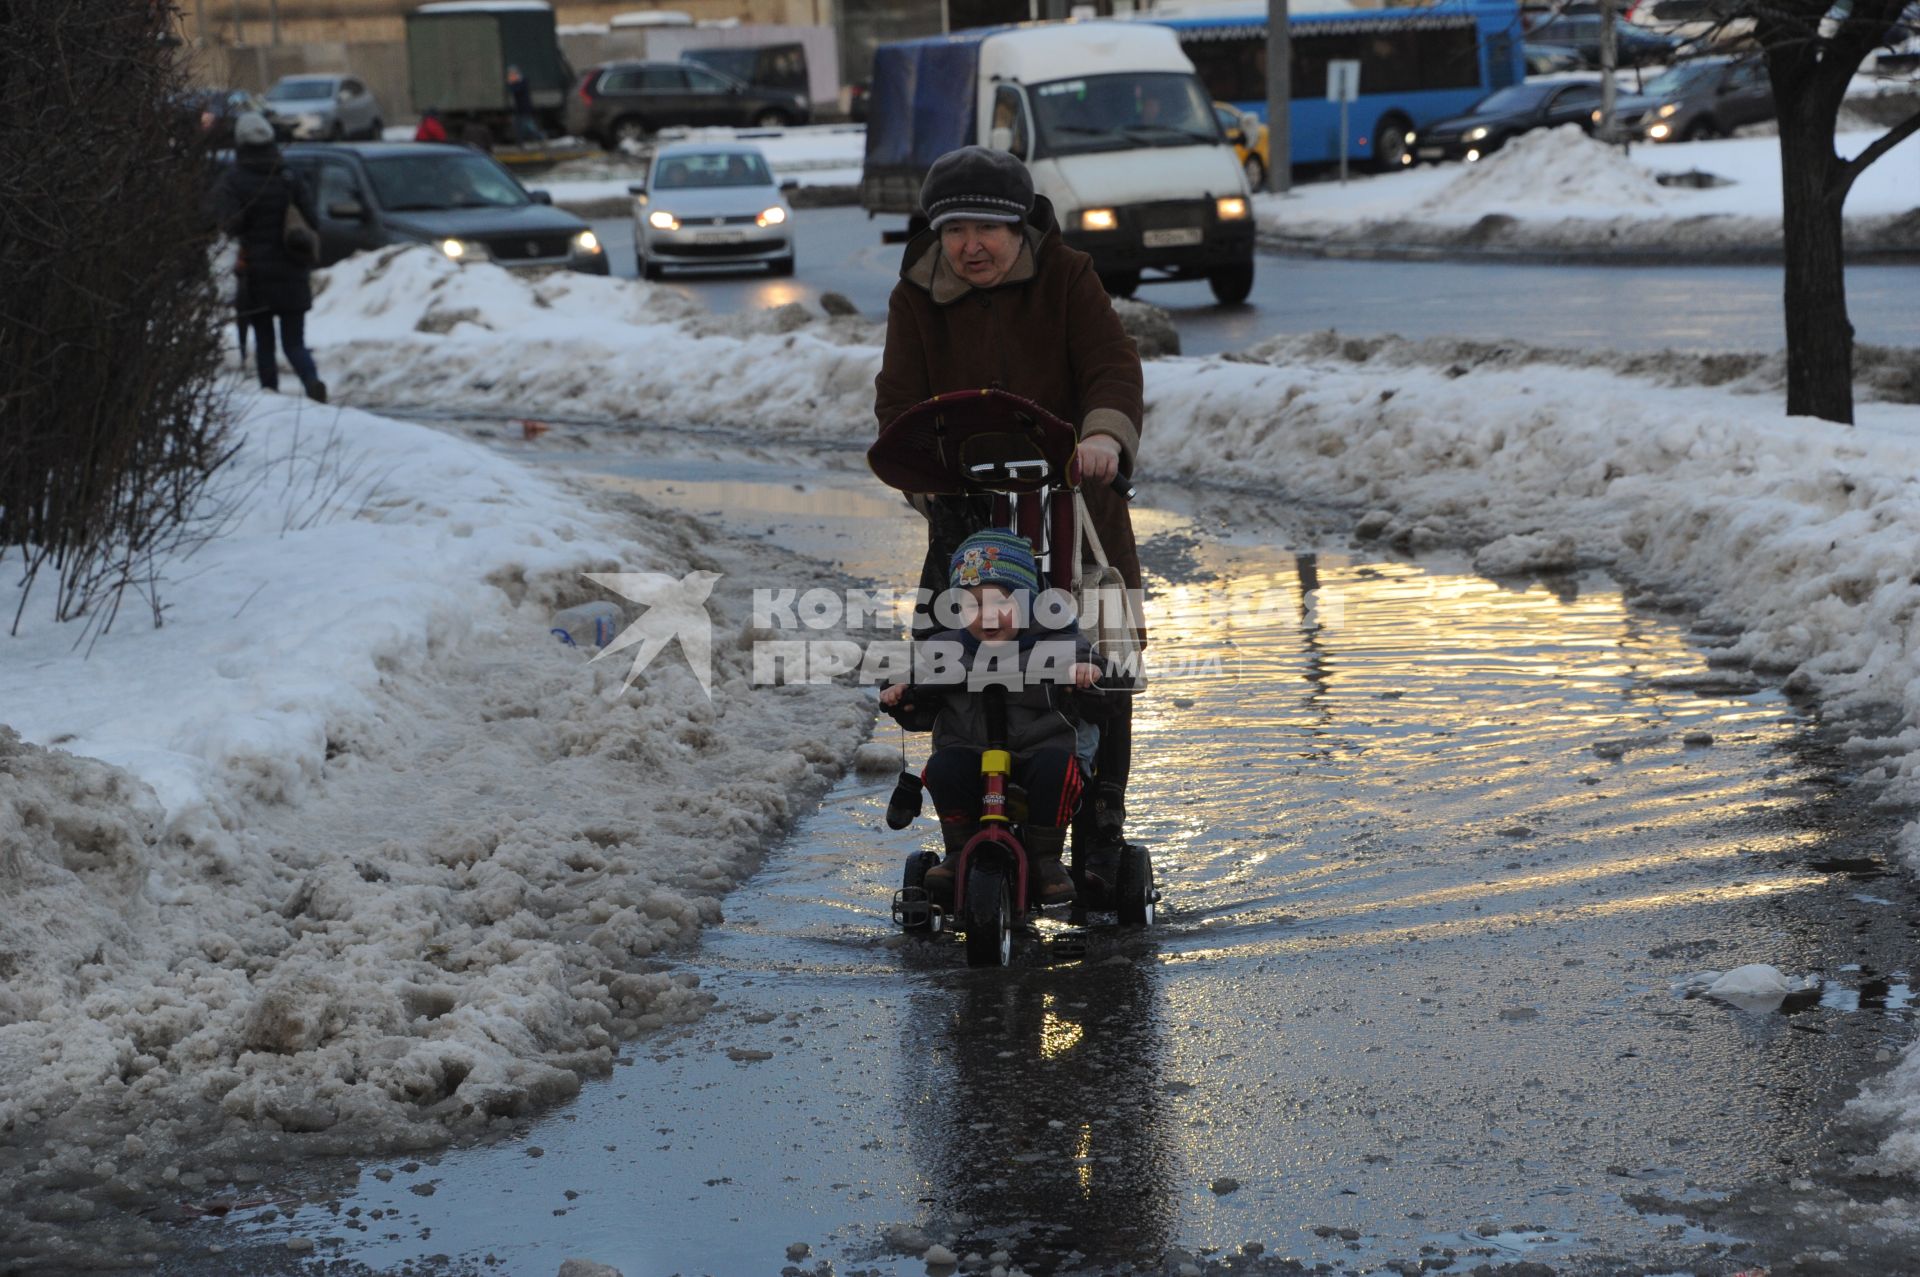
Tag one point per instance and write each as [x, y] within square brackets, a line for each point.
[956, 832]
[1052, 884]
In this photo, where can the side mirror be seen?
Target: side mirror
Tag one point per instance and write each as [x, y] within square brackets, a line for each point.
[347, 211]
[1236, 137]
[636, 188]
[540, 197]
[1001, 139]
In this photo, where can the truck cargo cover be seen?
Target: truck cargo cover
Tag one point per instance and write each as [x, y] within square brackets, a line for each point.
[922, 102]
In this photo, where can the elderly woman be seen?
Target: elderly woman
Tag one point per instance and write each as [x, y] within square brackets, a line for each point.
[991, 297]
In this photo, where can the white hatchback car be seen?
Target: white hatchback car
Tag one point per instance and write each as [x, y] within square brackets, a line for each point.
[711, 204]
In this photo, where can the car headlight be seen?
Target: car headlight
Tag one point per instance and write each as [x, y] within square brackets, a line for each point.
[587, 242]
[1472, 155]
[1667, 110]
[661, 220]
[1231, 208]
[1659, 132]
[1098, 219]
[1595, 116]
[1411, 138]
[458, 249]
[1474, 135]
[771, 217]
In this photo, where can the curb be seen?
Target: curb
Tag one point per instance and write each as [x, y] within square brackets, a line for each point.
[1471, 244]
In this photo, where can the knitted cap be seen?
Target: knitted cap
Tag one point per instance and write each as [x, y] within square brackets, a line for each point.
[994, 557]
[976, 184]
[252, 129]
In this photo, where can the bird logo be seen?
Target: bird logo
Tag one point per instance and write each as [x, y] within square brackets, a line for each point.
[676, 608]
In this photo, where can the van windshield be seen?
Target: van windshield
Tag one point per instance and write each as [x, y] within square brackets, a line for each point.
[1123, 111]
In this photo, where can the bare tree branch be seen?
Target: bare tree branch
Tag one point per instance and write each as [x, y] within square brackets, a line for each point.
[1880, 146]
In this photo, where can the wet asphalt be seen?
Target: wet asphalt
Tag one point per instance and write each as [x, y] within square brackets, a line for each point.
[1435, 850]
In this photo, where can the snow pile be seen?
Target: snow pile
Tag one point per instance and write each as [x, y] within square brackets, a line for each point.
[358, 847]
[1754, 987]
[1560, 171]
[407, 327]
[1561, 192]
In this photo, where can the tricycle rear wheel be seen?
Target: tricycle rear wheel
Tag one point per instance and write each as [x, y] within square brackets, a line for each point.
[1133, 890]
[914, 878]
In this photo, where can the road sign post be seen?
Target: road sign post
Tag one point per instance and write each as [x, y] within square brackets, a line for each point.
[1343, 86]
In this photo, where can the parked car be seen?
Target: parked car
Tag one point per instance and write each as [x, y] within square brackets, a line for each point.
[1505, 114]
[711, 204]
[215, 110]
[623, 102]
[1633, 45]
[460, 201]
[325, 106]
[1710, 97]
[1247, 135]
[779, 67]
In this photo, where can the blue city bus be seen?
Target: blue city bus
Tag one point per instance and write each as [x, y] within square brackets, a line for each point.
[1416, 66]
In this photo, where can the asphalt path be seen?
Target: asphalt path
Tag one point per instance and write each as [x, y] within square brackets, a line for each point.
[1633, 308]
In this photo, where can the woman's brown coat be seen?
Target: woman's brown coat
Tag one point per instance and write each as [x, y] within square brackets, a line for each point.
[1046, 333]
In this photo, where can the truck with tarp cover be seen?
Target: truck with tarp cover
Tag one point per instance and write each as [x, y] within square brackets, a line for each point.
[1110, 119]
[458, 52]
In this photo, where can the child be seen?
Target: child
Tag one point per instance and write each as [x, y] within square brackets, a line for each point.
[996, 571]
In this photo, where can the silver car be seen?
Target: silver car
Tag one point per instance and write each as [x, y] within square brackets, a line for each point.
[330, 107]
[711, 204]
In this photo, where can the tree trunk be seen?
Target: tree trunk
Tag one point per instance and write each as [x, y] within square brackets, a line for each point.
[1819, 335]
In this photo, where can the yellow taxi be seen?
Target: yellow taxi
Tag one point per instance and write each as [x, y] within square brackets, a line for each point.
[1247, 134]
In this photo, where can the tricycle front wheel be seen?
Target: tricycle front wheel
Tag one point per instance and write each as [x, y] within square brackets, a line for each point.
[989, 918]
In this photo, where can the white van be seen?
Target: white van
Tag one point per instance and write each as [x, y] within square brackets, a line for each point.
[1118, 131]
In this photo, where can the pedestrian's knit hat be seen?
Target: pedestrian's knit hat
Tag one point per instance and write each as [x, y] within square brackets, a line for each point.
[252, 129]
[976, 184]
[994, 557]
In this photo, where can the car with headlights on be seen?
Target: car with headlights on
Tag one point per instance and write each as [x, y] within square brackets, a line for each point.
[711, 204]
[460, 201]
[1704, 98]
[1505, 113]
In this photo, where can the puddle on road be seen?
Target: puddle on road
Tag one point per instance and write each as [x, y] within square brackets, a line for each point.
[1433, 851]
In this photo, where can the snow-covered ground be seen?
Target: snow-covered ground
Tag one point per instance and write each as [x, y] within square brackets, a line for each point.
[351, 843]
[1564, 188]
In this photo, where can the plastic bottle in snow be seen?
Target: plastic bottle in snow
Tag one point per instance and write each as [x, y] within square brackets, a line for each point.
[588, 625]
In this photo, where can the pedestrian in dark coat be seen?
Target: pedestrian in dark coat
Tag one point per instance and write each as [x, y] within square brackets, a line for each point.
[990, 296]
[254, 197]
[526, 128]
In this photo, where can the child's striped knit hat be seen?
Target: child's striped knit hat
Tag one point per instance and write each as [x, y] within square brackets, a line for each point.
[994, 557]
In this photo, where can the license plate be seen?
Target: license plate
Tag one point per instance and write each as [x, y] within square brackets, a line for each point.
[720, 237]
[1431, 152]
[1174, 238]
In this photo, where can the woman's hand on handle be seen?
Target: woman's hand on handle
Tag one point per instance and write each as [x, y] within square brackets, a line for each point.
[893, 695]
[1099, 458]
